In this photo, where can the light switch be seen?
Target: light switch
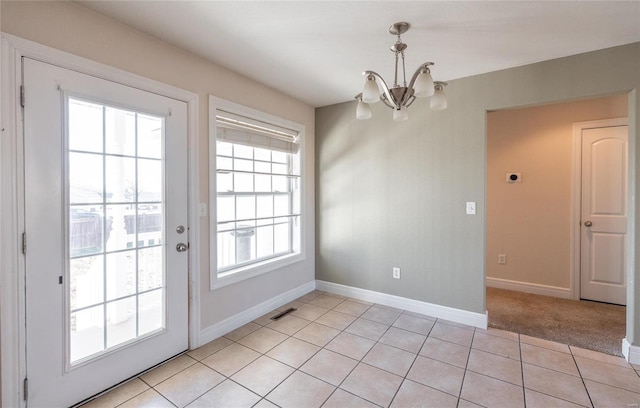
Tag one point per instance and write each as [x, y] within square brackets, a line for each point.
[203, 209]
[471, 207]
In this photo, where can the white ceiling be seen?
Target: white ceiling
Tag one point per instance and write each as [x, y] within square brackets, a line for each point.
[317, 50]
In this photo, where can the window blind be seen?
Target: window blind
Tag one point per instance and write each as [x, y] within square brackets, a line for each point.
[232, 128]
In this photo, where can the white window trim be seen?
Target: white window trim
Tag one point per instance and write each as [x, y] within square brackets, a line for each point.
[268, 265]
[12, 272]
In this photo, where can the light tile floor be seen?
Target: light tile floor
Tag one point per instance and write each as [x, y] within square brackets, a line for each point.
[339, 352]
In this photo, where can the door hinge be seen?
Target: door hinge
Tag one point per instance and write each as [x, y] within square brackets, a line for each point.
[22, 95]
[25, 388]
[24, 243]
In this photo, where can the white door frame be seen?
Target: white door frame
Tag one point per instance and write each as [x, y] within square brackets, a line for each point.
[576, 199]
[12, 265]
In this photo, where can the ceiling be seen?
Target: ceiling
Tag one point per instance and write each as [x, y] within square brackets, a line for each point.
[316, 51]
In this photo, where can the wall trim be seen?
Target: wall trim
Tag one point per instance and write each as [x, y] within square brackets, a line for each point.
[12, 333]
[535, 288]
[630, 352]
[238, 320]
[479, 320]
[193, 208]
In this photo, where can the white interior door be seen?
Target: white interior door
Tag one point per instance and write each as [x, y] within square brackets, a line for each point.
[604, 214]
[105, 190]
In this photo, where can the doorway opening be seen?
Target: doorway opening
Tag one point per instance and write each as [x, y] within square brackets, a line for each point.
[531, 214]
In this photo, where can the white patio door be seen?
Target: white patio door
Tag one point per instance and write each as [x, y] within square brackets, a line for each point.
[105, 198]
[604, 214]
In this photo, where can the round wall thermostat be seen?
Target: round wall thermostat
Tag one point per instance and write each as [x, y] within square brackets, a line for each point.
[513, 177]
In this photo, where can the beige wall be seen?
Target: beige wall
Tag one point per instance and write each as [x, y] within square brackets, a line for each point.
[529, 221]
[70, 27]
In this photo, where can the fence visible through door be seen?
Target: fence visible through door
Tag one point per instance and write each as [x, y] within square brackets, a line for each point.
[115, 227]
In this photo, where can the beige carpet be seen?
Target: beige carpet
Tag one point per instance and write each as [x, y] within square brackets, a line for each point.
[590, 325]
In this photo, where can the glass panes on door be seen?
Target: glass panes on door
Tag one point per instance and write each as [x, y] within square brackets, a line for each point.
[115, 230]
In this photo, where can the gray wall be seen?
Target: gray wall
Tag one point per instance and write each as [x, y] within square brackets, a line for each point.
[393, 194]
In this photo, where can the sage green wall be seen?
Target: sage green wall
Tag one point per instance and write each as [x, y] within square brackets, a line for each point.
[393, 194]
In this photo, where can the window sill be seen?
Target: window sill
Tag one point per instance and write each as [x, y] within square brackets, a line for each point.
[256, 269]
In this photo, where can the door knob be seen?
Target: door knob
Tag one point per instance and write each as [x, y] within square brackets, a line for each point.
[181, 247]
[588, 223]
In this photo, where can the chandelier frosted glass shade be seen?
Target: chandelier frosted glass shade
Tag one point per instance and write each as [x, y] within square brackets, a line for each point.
[400, 97]
[424, 86]
[370, 91]
[363, 110]
[400, 115]
[439, 99]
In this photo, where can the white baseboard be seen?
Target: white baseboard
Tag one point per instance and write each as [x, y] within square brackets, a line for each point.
[220, 329]
[534, 288]
[442, 312]
[630, 352]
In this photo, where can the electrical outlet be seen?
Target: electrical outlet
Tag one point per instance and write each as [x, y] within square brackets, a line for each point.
[502, 259]
[396, 273]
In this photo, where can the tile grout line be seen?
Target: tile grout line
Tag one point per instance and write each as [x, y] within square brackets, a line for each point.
[581, 377]
[466, 366]
[522, 362]
[416, 358]
[404, 378]
[444, 362]
[161, 396]
[260, 397]
[294, 369]
[553, 369]
[321, 348]
[389, 327]
[358, 362]
[354, 367]
[613, 366]
[137, 395]
[289, 336]
[229, 377]
[524, 390]
[361, 360]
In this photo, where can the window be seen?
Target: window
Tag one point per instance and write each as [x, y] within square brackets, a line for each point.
[257, 223]
[116, 211]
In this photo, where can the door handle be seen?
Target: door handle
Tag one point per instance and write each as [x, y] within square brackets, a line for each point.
[182, 247]
[588, 223]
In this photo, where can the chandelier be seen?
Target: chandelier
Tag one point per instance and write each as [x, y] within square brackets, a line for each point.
[400, 97]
